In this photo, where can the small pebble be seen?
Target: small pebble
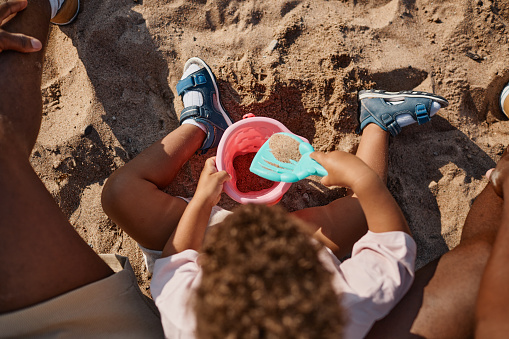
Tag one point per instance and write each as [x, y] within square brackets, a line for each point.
[305, 196]
[273, 44]
[432, 185]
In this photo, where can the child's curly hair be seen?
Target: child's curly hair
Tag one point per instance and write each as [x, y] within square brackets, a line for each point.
[262, 279]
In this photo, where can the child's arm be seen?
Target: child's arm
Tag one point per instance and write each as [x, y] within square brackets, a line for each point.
[381, 210]
[193, 223]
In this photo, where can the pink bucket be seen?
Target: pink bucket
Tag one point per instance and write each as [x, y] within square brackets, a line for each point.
[247, 136]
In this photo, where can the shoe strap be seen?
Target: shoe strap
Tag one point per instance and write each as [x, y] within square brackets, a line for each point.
[391, 124]
[421, 113]
[193, 112]
[201, 114]
[193, 80]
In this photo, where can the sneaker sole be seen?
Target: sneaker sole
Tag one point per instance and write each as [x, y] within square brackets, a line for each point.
[368, 94]
[196, 60]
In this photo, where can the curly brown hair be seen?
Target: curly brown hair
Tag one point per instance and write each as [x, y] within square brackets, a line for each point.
[262, 279]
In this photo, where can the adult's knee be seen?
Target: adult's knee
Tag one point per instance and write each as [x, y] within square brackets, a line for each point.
[448, 308]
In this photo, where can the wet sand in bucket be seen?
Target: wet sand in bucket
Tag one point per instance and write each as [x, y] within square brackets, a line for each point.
[246, 180]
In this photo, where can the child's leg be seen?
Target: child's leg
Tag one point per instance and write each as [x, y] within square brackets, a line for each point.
[41, 255]
[132, 196]
[341, 223]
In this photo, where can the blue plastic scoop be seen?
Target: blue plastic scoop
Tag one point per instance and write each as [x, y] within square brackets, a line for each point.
[278, 165]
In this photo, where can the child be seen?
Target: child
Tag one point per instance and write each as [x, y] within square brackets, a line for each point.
[367, 286]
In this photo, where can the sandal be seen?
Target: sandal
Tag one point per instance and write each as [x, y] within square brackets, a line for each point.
[376, 107]
[211, 114]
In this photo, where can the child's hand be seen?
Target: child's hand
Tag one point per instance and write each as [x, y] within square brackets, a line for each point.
[210, 184]
[380, 209]
[344, 169]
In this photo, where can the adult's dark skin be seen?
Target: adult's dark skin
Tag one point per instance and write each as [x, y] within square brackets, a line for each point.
[15, 41]
[464, 293]
[41, 255]
[492, 309]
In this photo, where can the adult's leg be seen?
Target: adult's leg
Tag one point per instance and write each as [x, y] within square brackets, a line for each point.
[132, 196]
[41, 255]
[492, 309]
[341, 223]
[441, 302]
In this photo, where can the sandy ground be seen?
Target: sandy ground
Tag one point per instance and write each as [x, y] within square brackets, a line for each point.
[109, 92]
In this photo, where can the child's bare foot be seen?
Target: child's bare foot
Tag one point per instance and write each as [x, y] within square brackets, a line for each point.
[499, 175]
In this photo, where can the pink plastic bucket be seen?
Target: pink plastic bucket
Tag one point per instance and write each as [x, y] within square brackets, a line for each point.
[247, 136]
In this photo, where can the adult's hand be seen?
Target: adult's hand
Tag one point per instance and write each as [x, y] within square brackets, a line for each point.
[499, 175]
[15, 41]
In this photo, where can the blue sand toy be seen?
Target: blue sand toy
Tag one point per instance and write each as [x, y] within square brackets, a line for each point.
[267, 166]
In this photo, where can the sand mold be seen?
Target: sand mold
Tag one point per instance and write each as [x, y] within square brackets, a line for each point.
[109, 92]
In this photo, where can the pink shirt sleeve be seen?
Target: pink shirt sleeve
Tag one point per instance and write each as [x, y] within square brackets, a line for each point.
[375, 278]
[173, 281]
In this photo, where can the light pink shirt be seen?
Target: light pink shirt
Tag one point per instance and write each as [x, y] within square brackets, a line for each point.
[369, 284]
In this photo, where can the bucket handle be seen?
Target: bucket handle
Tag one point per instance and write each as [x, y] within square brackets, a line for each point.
[248, 115]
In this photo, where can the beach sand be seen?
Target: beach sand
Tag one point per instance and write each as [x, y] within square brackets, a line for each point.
[109, 92]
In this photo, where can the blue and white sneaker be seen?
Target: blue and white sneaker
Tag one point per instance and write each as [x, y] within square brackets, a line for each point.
[394, 110]
[202, 103]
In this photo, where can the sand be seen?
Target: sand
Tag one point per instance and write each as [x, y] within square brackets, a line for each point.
[109, 92]
[284, 148]
[246, 180]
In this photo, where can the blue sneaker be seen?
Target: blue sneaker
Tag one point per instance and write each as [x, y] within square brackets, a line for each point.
[211, 113]
[389, 109]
